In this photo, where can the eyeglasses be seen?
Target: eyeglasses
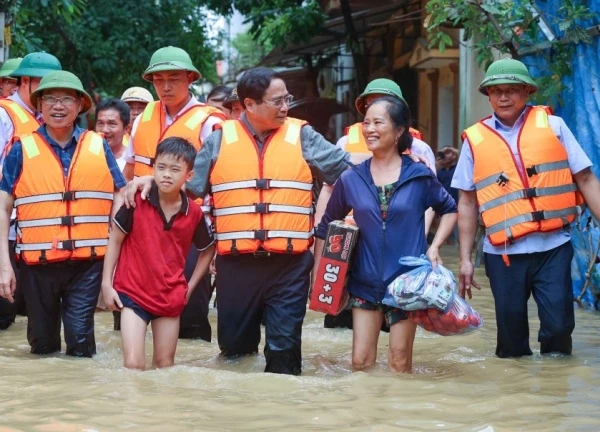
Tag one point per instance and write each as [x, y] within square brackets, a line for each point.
[278, 103]
[64, 100]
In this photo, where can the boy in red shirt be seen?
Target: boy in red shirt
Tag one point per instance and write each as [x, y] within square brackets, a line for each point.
[148, 246]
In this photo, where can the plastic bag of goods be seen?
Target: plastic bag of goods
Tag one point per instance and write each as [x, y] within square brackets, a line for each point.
[458, 318]
[422, 287]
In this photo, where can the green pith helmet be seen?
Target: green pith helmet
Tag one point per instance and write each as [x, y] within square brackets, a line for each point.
[61, 80]
[507, 71]
[37, 64]
[9, 67]
[170, 59]
[382, 86]
[228, 103]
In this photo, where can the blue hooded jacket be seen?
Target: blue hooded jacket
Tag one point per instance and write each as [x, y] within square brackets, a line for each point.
[382, 243]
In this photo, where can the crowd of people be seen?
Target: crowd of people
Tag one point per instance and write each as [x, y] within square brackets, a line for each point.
[136, 215]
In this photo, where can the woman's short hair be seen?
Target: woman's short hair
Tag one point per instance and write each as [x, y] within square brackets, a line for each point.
[399, 113]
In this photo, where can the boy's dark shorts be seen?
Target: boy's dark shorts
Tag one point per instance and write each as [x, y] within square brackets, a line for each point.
[139, 311]
[392, 315]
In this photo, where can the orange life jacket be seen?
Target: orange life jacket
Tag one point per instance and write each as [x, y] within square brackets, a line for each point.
[23, 121]
[358, 144]
[512, 204]
[151, 130]
[126, 138]
[62, 218]
[262, 200]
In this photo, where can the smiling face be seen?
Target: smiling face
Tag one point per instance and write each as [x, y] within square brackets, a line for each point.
[271, 111]
[60, 107]
[9, 86]
[508, 101]
[110, 124]
[171, 173]
[379, 131]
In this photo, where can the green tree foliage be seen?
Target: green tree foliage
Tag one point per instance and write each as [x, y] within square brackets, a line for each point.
[278, 22]
[248, 52]
[515, 28]
[108, 43]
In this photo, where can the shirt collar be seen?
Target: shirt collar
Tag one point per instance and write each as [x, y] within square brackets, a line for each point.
[153, 198]
[16, 98]
[256, 136]
[192, 102]
[77, 131]
[498, 125]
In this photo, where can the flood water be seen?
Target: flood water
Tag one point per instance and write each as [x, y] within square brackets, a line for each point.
[458, 385]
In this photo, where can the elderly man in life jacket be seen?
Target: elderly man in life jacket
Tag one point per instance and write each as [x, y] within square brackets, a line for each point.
[521, 173]
[260, 171]
[19, 117]
[62, 217]
[176, 113]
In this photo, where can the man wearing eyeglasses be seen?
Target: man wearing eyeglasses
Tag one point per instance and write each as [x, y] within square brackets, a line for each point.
[61, 180]
[176, 113]
[260, 171]
[18, 117]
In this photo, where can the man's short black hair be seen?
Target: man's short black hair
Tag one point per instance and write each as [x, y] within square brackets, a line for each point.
[254, 83]
[117, 104]
[179, 148]
[219, 93]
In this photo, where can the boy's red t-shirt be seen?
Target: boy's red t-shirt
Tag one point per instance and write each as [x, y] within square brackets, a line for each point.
[151, 265]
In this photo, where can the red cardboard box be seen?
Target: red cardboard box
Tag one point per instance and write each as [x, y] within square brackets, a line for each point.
[329, 291]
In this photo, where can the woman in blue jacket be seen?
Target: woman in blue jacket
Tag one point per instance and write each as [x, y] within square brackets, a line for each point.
[388, 194]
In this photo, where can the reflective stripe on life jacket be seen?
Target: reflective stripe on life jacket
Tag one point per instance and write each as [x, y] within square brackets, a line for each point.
[358, 144]
[151, 130]
[262, 200]
[23, 121]
[62, 218]
[543, 197]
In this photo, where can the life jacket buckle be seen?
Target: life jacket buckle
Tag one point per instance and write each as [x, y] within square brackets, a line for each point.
[68, 245]
[530, 192]
[68, 196]
[262, 184]
[66, 221]
[260, 235]
[538, 216]
[502, 180]
[531, 171]
[262, 208]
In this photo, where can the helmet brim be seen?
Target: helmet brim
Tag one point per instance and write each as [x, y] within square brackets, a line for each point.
[360, 103]
[87, 100]
[31, 72]
[171, 66]
[506, 79]
[135, 99]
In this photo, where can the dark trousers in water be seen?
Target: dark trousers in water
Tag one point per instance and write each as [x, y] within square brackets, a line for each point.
[193, 322]
[546, 275]
[69, 289]
[275, 287]
[8, 310]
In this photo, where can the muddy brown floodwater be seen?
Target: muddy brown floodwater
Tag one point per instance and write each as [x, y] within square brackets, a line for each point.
[458, 385]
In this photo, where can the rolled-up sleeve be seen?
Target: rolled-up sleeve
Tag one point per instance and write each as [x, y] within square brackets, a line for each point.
[326, 161]
[337, 209]
[12, 167]
[439, 199]
[199, 185]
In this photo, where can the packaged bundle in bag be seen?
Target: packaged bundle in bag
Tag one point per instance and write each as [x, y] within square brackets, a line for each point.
[422, 287]
[459, 318]
[405, 292]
